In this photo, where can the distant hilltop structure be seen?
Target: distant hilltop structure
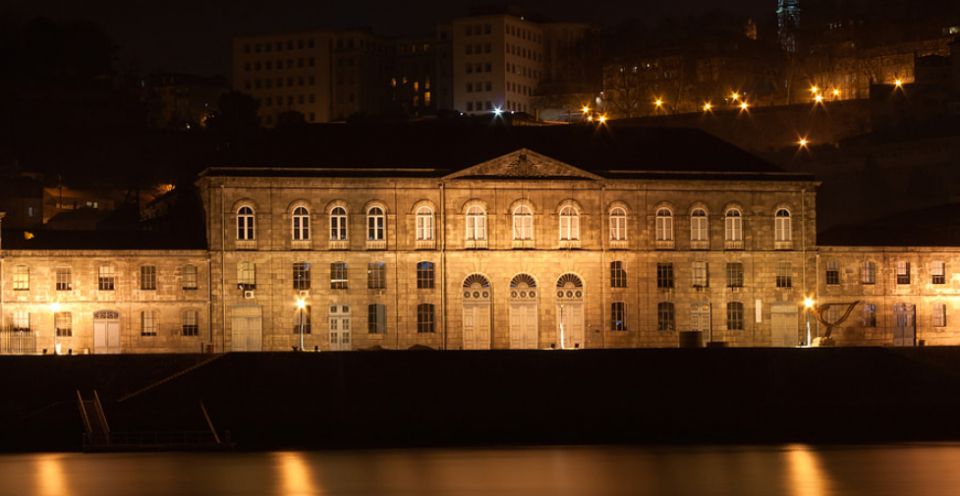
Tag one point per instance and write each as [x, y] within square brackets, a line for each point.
[788, 23]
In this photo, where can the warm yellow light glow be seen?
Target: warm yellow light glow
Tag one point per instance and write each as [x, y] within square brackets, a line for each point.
[744, 106]
[803, 142]
[295, 475]
[814, 89]
[898, 83]
[707, 107]
[805, 475]
[836, 93]
[589, 118]
[658, 102]
[55, 307]
[735, 96]
[808, 303]
[301, 303]
[585, 109]
[603, 118]
[818, 98]
[51, 478]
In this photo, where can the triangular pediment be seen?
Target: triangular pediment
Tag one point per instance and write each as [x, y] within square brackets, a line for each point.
[523, 164]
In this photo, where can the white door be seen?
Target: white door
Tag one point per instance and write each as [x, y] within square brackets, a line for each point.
[700, 318]
[106, 332]
[570, 312]
[246, 325]
[339, 323]
[784, 322]
[476, 326]
[524, 328]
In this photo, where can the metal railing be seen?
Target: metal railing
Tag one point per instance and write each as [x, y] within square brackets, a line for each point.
[18, 342]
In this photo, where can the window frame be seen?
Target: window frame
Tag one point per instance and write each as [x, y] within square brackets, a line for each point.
[618, 224]
[424, 223]
[63, 279]
[522, 217]
[666, 316]
[339, 275]
[664, 224]
[736, 319]
[376, 275]
[148, 278]
[618, 316]
[426, 321]
[190, 323]
[246, 223]
[783, 225]
[699, 225]
[426, 274]
[189, 277]
[300, 223]
[476, 223]
[665, 275]
[21, 278]
[569, 220]
[106, 277]
[733, 225]
[618, 275]
[339, 223]
[301, 276]
[376, 223]
[376, 318]
[735, 273]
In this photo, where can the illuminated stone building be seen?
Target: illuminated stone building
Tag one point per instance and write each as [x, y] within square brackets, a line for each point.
[551, 238]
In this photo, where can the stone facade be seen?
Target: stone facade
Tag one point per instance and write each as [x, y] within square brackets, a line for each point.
[524, 251]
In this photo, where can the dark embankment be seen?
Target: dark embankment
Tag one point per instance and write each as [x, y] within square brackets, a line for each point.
[314, 400]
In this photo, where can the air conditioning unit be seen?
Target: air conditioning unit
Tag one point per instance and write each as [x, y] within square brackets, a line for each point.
[303, 294]
[248, 294]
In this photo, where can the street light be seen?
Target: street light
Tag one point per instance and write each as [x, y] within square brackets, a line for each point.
[808, 304]
[602, 119]
[818, 98]
[744, 106]
[803, 143]
[898, 83]
[301, 306]
[707, 106]
[735, 96]
[658, 103]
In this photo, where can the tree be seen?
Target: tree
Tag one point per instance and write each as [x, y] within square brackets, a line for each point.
[237, 113]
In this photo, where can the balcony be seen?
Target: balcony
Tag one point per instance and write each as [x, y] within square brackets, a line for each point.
[338, 244]
[426, 244]
[664, 244]
[619, 244]
[246, 244]
[376, 244]
[522, 244]
[475, 244]
[700, 244]
[733, 245]
[569, 244]
[301, 244]
[783, 245]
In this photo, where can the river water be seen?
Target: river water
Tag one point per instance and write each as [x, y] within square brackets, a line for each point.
[901, 470]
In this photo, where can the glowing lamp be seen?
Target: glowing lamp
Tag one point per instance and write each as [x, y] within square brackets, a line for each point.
[707, 107]
[808, 303]
[898, 83]
[658, 102]
[818, 98]
[814, 89]
[803, 142]
[497, 111]
[55, 307]
[735, 96]
[585, 109]
[744, 106]
[301, 303]
[836, 93]
[603, 119]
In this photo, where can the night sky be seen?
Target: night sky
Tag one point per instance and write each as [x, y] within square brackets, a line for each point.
[194, 35]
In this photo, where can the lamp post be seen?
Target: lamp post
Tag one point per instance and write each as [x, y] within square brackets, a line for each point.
[301, 306]
[808, 304]
[561, 327]
[55, 309]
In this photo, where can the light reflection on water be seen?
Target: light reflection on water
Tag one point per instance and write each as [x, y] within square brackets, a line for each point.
[795, 470]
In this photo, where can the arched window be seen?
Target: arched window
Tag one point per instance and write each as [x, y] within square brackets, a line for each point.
[698, 225]
[245, 223]
[733, 225]
[783, 230]
[476, 223]
[522, 223]
[569, 224]
[664, 227]
[618, 224]
[424, 224]
[301, 224]
[375, 224]
[338, 224]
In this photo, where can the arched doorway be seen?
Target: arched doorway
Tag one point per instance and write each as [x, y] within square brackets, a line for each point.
[524, 317]
[106, 332]
[476, 313]
[570, 312]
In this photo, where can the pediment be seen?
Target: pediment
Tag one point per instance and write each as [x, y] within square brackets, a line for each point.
[523, 164]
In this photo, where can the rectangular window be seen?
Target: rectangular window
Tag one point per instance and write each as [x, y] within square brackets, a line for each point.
[301, 320]
[618, 316]
[425, 318]
[63, 322]
[21, 278]
[106, 278]
[301, 276]
[665, 275]
[247, 275]
[939, 272]
[21, 321]
[148, 277]
[665, 316]
[939, 315]
[618, 276]
[191, 323]
[148, 323]
[784, 275]
[376, 318]
[188, 277]
[376, 275]
[833, 272]
[700, 274]
[735, 316]
[338, 275]
[425, 275]
[903, 272]
[64, 280]
[734, 275]
[868, 273]
[869, 315]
